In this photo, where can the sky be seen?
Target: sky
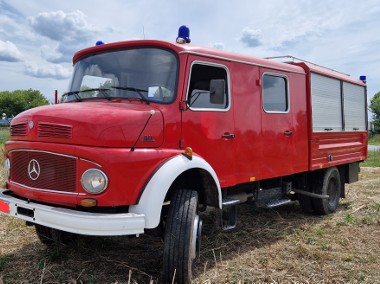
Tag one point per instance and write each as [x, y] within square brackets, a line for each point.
[39, 37]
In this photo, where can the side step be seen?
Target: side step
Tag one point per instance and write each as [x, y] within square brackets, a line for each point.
[275, 203]
[229, 213]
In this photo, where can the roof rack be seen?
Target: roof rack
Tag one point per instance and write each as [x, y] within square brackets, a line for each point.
[296, 59]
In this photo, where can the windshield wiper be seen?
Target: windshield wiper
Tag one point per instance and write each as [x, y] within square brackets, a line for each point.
[78, 98]
[136, 90]
[103, 91]
[75, 93]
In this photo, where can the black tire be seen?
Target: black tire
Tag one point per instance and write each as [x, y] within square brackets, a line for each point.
[44, 234]
[49, 236]
[306, 203]
[182, 236]
[330, 185]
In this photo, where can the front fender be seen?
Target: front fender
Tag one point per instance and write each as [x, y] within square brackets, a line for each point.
[152, 198]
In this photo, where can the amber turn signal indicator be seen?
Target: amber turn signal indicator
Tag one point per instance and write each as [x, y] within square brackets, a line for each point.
[188, 153]
[88, 202]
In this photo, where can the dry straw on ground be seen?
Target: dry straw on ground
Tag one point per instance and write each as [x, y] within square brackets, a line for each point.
[270, 246]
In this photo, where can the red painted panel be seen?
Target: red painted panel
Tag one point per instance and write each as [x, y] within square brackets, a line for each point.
[203, 131]
[286, 154]
[337, 148]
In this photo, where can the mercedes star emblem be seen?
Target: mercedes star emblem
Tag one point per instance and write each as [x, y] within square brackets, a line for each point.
[34, 169]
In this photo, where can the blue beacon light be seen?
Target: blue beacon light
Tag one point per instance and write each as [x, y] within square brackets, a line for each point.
[99, 42]
[363, 78]
[183, 35]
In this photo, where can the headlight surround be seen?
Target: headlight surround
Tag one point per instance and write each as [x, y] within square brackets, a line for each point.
[94, 181]
[7, 167]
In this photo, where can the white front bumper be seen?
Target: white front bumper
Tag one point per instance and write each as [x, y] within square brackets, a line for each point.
[69, 220]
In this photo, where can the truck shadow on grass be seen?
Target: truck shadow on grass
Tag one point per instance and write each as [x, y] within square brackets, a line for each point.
[139, 260]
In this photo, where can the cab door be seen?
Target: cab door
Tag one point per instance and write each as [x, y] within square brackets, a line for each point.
[208, 123]
[276, 125]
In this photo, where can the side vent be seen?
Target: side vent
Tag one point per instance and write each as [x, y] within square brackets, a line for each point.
[19, 129]
[49, 130]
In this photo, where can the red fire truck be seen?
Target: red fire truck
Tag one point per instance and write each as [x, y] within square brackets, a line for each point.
[151, 133]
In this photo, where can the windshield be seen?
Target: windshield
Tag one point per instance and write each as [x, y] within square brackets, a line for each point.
[147, 74]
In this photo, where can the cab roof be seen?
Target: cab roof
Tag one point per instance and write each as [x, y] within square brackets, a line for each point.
[189, 49]
[302, 67]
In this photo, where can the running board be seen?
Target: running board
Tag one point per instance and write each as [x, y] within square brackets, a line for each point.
[276, 203]
[229, 213]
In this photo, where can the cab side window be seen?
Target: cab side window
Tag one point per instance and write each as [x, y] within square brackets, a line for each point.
[275, 93]
[199, 96]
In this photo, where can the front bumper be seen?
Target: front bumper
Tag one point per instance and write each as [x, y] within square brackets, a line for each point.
[73, 221]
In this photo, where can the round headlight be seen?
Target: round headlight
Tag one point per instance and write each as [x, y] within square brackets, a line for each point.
[7, 166]
[94, 181]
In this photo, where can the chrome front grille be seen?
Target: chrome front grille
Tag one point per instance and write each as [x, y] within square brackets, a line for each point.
[43, 170]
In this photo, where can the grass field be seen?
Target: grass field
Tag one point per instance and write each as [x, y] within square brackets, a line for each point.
[374, 140]
[373, 159]
[4, 134]
[270, 246]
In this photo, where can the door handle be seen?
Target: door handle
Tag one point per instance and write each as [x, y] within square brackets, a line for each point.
[288, 133]
[228, 135]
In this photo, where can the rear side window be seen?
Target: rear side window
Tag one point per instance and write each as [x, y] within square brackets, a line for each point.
[199, 96]
[275, 93]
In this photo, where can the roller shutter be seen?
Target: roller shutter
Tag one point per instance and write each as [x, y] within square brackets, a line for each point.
[326, 103]
[354, 107]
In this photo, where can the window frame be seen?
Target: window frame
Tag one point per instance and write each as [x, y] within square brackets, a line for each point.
[228, 97]
[287, 89]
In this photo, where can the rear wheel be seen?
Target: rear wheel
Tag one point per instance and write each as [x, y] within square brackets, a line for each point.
[331, 186]
[306, 203]
[182, 236]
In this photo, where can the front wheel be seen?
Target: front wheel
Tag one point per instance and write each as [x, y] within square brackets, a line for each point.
[49, 236]
[182, 236]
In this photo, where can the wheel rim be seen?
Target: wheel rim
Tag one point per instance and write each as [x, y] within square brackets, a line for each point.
[196, 237]
[332, 192]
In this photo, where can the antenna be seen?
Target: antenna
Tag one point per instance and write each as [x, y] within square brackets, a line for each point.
[143, 30]
[152, 112]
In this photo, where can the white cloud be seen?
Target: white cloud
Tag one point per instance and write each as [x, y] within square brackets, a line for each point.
[251, 37]
[55, 71]
[9, 52]
[52, 54]
[61, 26]
[70, 31]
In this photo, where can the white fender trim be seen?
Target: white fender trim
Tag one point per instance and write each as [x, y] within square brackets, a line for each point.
[152, 199]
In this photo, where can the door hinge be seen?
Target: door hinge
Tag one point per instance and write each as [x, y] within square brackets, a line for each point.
[183, 105]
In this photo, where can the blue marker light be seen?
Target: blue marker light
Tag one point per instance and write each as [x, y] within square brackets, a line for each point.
[183, 35]
[363, 78]
[99, 42]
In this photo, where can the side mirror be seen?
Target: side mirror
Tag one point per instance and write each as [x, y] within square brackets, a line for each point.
[217, 91]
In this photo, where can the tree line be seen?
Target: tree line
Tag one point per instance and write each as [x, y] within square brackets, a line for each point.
[12, 103]
[375, 108]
